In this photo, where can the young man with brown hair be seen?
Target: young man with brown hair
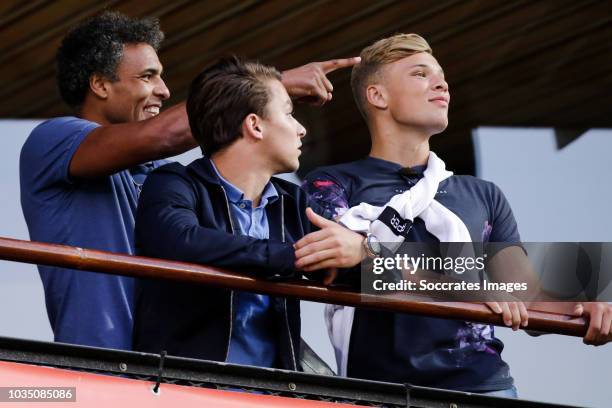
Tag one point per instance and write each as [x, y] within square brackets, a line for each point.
[226, 210]
[402, 93]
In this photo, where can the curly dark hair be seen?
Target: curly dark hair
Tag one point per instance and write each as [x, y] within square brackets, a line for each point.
[96, 46]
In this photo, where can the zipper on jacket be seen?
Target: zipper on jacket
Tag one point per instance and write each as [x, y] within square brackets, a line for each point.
[293, 359]
[290, 337]
[227, 207]
[283, 218]
[229, 339]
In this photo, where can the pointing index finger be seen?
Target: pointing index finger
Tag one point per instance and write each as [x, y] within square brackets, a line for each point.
[332, 65]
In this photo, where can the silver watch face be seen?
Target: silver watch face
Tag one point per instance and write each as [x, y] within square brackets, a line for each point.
[374, 244]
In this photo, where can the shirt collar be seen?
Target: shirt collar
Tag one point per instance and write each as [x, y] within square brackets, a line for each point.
[235, 195]
[375, 163]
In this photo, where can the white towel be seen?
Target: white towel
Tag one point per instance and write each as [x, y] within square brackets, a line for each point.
[416, 202]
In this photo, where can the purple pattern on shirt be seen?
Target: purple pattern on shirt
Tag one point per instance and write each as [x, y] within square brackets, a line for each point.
[476, 336]
[486, 232]
[328, 196]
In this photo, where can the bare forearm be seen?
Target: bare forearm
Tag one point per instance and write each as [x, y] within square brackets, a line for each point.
[170, 132]
[109, 149]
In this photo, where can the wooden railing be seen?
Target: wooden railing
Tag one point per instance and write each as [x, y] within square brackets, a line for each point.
[142, 267]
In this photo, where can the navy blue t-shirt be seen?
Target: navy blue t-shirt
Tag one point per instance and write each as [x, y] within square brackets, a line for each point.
[83, 307]
[403, 348]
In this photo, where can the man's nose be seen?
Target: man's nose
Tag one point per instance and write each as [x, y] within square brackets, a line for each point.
[162, 90]
[301, 130]
[440, 84]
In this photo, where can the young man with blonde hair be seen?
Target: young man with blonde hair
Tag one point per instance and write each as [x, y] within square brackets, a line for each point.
[402, 93]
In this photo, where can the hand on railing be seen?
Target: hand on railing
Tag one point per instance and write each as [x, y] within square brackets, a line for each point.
[599, 315]
[515, 314]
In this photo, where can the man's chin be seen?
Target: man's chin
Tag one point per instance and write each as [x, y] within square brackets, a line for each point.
[439, 127]
[289, 168]
[295, 167]
[147, 115]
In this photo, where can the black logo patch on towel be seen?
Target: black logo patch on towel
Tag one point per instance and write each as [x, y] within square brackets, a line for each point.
[392, 219]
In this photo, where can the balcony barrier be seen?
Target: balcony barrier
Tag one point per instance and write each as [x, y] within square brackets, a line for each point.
[540, 319]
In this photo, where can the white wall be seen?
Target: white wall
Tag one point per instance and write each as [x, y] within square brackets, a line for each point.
[557, 196]
[22, 307]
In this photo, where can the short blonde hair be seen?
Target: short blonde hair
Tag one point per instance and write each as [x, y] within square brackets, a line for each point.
[382, 52]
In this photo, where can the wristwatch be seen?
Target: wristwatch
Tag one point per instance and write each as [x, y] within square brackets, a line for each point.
[372, 246]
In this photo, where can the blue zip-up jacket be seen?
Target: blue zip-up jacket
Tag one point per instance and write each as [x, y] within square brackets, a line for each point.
[183, 214]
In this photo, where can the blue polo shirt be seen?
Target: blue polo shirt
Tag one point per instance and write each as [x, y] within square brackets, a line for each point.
[403, 348]
[253, 339]
[83, 307]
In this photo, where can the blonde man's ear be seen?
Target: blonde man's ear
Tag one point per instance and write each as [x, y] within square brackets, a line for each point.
[376, 96]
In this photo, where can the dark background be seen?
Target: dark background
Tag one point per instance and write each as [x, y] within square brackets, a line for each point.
[508, 63]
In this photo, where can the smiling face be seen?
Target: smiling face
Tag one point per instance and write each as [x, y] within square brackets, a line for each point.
[416, 94]
[139, 90]
[282, 133]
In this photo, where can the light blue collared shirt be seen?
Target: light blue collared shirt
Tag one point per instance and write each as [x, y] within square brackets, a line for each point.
[253, 340]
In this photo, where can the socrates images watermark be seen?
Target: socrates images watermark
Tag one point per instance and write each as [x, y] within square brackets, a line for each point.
[409, 265]
[472, 271]
[428, 286]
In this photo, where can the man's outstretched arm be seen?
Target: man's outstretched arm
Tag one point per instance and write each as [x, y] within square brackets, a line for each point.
[109, 149]
[112, 148]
